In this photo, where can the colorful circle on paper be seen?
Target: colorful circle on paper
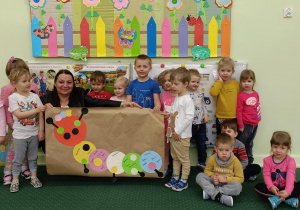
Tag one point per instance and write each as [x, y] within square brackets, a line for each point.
[150, 161]
[131, 164]
[97, 159]
[70, 133]
[82, 151]
[114, 162]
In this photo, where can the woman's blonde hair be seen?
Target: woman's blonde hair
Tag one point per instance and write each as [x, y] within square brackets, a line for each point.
[17, 73]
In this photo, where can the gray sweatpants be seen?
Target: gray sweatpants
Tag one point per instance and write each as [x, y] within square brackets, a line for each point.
[30, 145]
[207, 184]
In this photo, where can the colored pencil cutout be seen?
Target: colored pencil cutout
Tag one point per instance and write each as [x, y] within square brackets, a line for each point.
[60, 6]
[146, 8]
[174, 5]
[91, 14]
[121, 5]
[223, 4]
[38, 4]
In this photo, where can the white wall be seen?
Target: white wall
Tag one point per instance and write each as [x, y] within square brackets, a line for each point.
[261, 37]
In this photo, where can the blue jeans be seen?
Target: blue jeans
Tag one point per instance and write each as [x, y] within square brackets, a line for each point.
[247, 138]
[199, 135]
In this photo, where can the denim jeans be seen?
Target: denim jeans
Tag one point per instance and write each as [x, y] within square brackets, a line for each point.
[247, 138]
[199, 135]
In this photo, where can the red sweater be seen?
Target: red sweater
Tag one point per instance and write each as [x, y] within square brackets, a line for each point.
[103, 95]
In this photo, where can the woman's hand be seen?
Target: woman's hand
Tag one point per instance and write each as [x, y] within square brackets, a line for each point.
[131, 104]
[49, 105]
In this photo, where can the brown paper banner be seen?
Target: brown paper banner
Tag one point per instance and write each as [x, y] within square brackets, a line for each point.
[102, 142]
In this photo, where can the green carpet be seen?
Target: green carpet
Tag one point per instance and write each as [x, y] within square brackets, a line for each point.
[73, 192]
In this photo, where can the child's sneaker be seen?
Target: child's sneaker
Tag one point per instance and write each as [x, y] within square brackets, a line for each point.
[36, 183]
[293, 202]
[252, 178]
[7, 179]
[179, 186]
[14, 187]
[171, 183]
[227, 200]
[274, 201]
[26, 174]
[205, 195]
[201, 165]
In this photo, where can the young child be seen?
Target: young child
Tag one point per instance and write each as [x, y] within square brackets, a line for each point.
[2, 123]
[98, 79]
[225, 90]
[279, 172]
[42, 82]
[6, 91]
[250, 170]
[248, 112]
[28, 127]
[223, 174]
[120, 87]
[200, 117]
[166, 100]
[143, 90]
[181, 118]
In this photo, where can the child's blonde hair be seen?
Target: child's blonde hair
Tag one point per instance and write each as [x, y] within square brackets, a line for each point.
[15, 63]
[281, 138]
[161, 76]
[122, 80]
[246, 74]
[98, 76]
[17, 73]
[143, 57]
[194, 72]
[223, 138]
[224, 62]
[182, 74]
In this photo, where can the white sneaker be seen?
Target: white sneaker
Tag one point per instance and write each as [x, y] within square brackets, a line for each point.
[205, 195]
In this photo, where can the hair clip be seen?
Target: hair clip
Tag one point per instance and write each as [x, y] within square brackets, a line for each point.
[12, 59]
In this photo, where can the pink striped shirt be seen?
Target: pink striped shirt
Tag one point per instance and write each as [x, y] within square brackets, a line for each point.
[2, 120]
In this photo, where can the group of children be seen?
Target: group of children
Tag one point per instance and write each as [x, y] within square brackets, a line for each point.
[185, 113]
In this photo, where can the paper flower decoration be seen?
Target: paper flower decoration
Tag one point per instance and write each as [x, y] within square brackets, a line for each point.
[121, 5]
[60, 6]
[92, 4]
[38, 4]
[223, 4]
[150, 0]
[174, 4]
[146, 8]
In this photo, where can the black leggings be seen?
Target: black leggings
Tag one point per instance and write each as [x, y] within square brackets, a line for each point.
[262, 189]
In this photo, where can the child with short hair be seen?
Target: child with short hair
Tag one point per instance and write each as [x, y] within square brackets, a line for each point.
[28, 128]
[98, 80]
[248, 112]
[200, 117]
[250, 170]
[43, 83]
[279, 172]
[120, 87]
[181, 118]
[166, 100]
[2, 123]
[225, 90]
[6, 91]
[143, 90]
[223, 174]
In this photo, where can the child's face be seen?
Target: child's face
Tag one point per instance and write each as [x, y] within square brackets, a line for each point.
[223, 151]
[226, 73]
[178, 87]
[119, 89]
[97, 86]
[247, 85]
[230, 132]
[23, 84]
[167, 84]
[279, 151]
[142, 68]
[194, 83]
[42, 74]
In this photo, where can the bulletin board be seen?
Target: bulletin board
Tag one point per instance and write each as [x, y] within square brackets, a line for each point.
[127, 28]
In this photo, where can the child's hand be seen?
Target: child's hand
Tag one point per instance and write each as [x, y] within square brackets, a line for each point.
[42, 108]
[274, 190]
[10, 125]
[176, 137]
[222, 179]
[156, 109]
[283, 195]
[216, 179]
[220, 78]
[241, 129]
[2, 139]
[165, 114]
[205, 118]
[41, 135]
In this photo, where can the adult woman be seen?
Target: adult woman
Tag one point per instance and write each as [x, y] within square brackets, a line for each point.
[65, 95]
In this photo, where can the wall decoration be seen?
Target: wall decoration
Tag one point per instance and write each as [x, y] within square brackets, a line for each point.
[115, 28]
[125, 142]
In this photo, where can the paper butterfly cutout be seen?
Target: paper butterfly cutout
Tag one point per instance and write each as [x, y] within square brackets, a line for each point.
[126, 39]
